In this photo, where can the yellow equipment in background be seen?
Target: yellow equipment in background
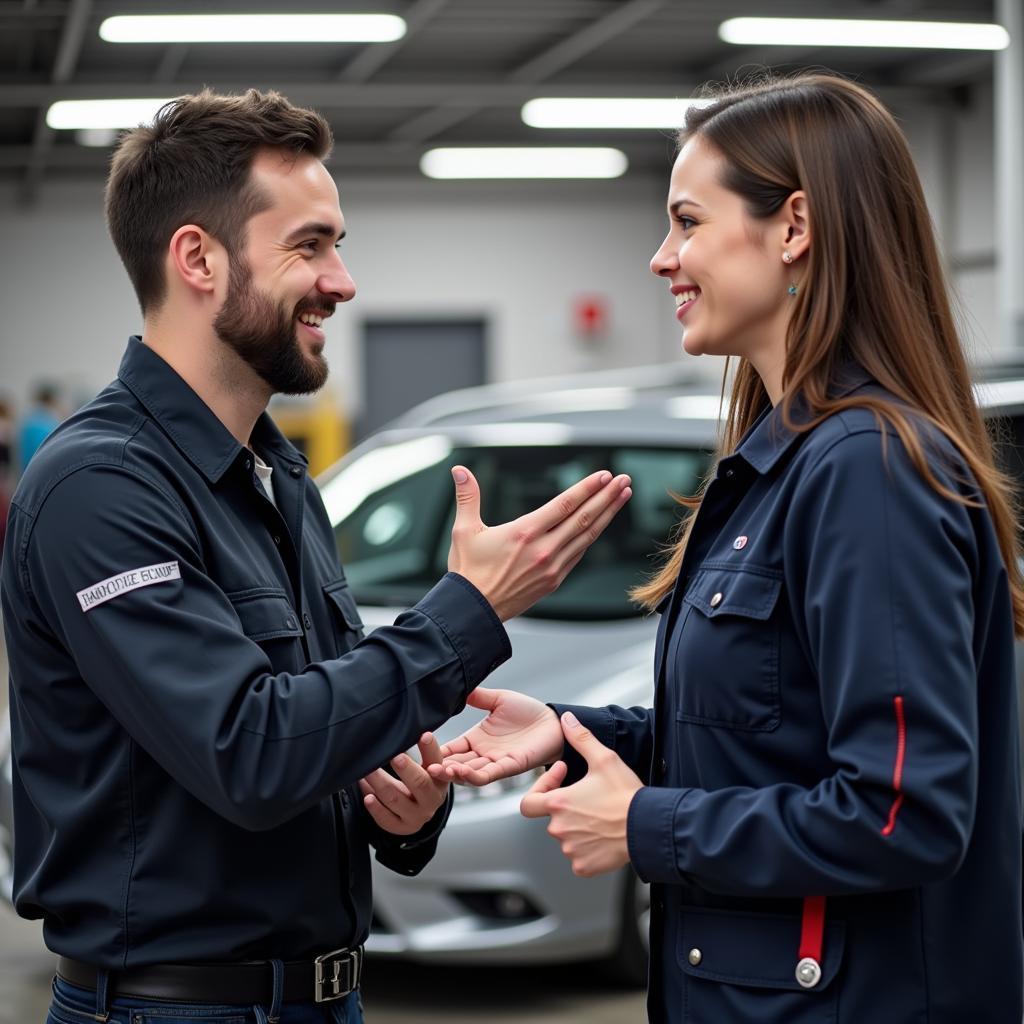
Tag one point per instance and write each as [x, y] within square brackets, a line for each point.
[316, 426]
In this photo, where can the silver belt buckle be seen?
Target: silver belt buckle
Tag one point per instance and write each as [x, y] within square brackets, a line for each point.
[337, 974]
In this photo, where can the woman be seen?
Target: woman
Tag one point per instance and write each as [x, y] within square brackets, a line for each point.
[826, 795]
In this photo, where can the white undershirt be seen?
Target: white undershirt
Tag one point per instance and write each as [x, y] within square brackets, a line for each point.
[264, 472]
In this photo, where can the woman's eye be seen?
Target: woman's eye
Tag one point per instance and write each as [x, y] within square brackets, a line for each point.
[686, 222]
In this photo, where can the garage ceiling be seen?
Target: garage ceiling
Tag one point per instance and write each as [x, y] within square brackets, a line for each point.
[458, 77]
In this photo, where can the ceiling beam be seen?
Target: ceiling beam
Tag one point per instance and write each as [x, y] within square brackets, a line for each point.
[322, 94]
[552, 60]
[68, 50]
[373, 57]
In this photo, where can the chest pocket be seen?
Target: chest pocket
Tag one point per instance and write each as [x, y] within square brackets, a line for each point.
[345, 619]
[269, 620]
[726, 655]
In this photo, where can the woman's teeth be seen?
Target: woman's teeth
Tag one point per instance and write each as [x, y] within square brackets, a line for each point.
[683, 297]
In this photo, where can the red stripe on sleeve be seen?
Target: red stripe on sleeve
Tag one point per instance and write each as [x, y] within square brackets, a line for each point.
[897, 771]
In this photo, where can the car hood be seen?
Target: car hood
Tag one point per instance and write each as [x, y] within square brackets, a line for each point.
[592, 663]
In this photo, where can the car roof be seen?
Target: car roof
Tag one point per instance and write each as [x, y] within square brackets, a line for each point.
[660, 405]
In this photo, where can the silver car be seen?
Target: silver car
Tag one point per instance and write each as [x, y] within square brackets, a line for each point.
[499, 889]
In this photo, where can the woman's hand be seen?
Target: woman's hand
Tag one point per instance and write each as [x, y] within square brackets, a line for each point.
[589, 817]
[518, 734]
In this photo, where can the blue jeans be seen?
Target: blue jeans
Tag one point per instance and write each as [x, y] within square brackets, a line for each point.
[73, 1005]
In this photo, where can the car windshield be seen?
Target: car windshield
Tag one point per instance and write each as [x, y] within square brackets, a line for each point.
[393, 511]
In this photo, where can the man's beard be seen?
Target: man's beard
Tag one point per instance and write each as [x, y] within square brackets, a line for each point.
[257, 329]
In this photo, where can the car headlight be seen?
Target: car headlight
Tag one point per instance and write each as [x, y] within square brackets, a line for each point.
[513, 784]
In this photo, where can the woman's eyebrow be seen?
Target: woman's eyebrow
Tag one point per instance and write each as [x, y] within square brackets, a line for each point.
[675, 207]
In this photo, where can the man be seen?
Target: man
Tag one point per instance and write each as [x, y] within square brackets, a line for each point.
[198, 723]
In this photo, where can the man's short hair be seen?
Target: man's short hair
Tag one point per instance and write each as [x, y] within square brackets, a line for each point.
[192, 166]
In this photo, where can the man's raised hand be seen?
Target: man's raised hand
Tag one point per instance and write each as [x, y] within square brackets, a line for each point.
[516, 564]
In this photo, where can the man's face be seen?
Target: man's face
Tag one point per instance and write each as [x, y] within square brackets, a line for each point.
[290, 276]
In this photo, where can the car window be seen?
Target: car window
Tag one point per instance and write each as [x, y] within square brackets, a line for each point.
[394, 543]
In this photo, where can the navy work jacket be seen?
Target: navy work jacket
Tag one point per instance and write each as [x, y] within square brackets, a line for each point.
[192, 699]
[835, 717]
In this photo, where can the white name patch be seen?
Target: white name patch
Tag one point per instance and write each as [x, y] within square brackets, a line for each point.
[123, 582]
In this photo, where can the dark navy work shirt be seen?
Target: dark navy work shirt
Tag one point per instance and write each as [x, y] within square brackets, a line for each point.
[835, 717]
[192, 699]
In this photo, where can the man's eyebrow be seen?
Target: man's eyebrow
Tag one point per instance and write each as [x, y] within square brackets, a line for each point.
[675, 207]
[316, 228]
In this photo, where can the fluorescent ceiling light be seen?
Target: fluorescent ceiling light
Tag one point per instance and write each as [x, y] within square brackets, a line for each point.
[253, 28]
[587, 112]
[539, 162]
[96, 138]
[928, 35]
[102, 113]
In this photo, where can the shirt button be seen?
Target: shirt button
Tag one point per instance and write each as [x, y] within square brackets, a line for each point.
[248, 463]
[289, 623]
[277, 540]
[729, 472]
[295, 471]
[695, 956]
[663, 765]
[344, 799]
[307, 621]
[716, 600]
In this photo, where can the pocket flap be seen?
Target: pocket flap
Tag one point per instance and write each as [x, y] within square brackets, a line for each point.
[749, 594]
[340, 596]
[757, 950]
[265, 613]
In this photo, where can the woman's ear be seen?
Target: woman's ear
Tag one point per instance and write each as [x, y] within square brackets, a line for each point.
[796, 225]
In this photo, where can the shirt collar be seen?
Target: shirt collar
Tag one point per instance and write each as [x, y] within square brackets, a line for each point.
[188, 420]
[769, 438]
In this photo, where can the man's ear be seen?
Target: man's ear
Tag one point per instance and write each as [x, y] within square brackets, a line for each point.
[196, 258]
[796, 225]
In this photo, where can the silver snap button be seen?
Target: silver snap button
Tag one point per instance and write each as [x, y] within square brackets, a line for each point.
[739, 543]
[808, 972]
[716, 600]
[695, 956]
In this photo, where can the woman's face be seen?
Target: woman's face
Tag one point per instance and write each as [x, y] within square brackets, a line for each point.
[724, 268]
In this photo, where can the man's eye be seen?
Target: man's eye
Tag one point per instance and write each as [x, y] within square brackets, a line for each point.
[311, 244]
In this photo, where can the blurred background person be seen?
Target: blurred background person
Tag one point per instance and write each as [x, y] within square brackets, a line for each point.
[42, 417]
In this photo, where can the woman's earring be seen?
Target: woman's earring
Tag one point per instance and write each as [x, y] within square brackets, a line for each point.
[787, 256]
[792, 289]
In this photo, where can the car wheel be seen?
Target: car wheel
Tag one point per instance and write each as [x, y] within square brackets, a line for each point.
[628, 964]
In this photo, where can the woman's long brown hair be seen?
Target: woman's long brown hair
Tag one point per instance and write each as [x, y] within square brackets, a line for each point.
[874, 289]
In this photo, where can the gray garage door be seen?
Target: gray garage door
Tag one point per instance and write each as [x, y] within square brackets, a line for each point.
[406, 362]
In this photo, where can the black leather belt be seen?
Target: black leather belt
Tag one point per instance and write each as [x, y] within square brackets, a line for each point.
[328, 977]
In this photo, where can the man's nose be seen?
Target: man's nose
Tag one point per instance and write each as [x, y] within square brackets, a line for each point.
[337, 282]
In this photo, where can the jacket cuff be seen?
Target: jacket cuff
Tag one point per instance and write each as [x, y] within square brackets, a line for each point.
[470, 624]
[650, 834]
[599, 721]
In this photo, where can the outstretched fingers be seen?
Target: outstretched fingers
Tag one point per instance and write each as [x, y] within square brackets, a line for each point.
[548, 516]
[576, 537]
